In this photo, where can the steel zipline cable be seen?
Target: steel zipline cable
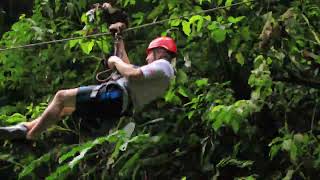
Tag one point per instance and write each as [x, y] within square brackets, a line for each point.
[126, 30]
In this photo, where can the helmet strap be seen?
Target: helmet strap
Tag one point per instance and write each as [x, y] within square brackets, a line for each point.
[174, 63]
[154, 54]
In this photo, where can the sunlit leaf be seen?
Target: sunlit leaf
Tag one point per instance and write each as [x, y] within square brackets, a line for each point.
[240, 58]
[219, 35]
[175, 22]
[289, 175]
[234, 162]
[183, 91]
[186, 27]
[87, 46]
[73, 43]
[16, 118]
[202, 82]
[228, 3]
[286, 145]
[274, 151]
[235, 20]
[76, 160]
[293, 152]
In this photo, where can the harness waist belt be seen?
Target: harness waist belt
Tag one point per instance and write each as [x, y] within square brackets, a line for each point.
[125, 95]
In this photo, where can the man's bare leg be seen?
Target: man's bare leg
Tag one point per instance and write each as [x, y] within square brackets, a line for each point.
[65, 111]
[62, 104]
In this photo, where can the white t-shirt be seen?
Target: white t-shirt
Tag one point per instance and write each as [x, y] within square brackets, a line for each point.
[155, 82]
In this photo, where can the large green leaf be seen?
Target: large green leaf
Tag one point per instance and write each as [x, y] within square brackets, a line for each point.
[186, 27]
[235, 20]
[87, 46]
[240, 58]
[219, 35]
[228, 3]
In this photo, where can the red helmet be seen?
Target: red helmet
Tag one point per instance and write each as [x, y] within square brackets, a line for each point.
[164, 42]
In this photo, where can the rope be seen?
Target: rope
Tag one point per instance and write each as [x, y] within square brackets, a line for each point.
[126, 30]
[99, 74]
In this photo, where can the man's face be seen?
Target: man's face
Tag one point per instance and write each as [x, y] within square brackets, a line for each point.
[155, 54]
[150, 57]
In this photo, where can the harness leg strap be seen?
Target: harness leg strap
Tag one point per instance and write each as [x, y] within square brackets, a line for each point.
[96, 90]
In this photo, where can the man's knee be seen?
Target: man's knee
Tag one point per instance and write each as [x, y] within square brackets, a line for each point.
[60, 95]
[66, 97]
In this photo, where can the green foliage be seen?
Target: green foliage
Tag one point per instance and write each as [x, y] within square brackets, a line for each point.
[13, 119]
[244, 103]
[235, 114]
[34, 164]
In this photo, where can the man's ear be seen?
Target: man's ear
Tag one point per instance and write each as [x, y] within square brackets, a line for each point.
[162, 52]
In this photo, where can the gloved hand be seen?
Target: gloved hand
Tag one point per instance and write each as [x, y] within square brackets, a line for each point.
[117, 27]
[112, 61]
[106, 6]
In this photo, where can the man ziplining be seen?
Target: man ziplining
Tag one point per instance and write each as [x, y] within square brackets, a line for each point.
[137, 87]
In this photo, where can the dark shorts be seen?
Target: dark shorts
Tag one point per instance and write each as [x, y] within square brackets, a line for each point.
[106, 105]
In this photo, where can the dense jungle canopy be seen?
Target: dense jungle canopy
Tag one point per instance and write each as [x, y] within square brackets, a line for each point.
[244, 103]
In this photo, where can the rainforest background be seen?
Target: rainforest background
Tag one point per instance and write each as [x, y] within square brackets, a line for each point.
[244, 103]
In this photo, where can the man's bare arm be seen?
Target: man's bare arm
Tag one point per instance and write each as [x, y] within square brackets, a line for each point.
[121, 50]
[124, 69]
[122, 53]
